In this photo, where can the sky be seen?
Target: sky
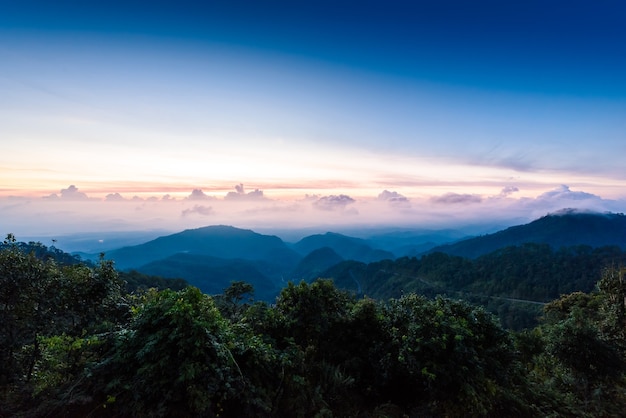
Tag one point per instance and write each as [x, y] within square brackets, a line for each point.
[171, 115]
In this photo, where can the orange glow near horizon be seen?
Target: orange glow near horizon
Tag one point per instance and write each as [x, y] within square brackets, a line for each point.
[368, 179]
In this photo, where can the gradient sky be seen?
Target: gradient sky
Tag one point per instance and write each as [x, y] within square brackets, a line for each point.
[327, 112]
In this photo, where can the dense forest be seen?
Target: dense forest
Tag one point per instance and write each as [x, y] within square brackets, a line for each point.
[513, 282]
[82, 339]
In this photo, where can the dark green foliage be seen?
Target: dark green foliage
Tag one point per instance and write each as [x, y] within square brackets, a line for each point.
[51, 321]
[613, 308]
[311, 312]
[25, 284]
[307, 323]
[73, 343]
[536, 272]
[174, 358]
[446, 356]
[211, 274]
[576, 357]
[235, 299]
[513, 282]
[42, 252]
[437, 357]
[136, 281]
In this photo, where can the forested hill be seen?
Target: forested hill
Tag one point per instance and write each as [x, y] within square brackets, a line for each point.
[213, 256]
[43, 252]
[561, 229]
[512, 282]
[348, 248]
[132, 280]
[217, 241]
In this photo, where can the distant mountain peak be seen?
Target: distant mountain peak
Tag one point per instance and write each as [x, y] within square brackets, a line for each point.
[579, 211]
[347, 247]
[220, 241]
[217, 229]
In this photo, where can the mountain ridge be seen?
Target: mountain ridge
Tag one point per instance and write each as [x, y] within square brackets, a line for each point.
[567, 227]
[345, 246]
[212, 275]
[219, 241]
[204, 255]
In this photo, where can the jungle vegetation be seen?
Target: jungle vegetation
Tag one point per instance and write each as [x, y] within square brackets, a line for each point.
[74, 341]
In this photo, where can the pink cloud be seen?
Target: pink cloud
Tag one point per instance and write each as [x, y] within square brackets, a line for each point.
[240, 194]
[456, 198]
[198, 210]
[333, 202]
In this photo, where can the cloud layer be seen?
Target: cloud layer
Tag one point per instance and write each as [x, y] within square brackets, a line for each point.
[72, 210]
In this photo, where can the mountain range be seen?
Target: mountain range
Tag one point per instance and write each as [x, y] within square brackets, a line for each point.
[211, 257]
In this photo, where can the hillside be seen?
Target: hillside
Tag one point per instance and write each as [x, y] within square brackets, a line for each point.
[346, 247]
[212, 275]
[133, 280]
[216, 241]
[512, 282]
[316, 262]
[212, 257]
[561, 229]
[409, 242]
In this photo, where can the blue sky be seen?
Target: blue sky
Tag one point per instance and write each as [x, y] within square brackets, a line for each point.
[433, 101]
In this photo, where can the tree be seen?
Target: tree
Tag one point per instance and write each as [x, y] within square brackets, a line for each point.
[52, 320]
[581, 365]
[448, 358]
[612, 288]
[25, 304]
[175, 358]
[312, 312]
[230, 303]
[307, 321]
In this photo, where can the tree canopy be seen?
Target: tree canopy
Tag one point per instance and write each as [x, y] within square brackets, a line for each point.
[74, 342]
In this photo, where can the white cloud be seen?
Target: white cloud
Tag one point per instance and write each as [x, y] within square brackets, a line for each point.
[563, 192]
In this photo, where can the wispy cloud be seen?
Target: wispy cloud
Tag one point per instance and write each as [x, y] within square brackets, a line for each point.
[286, 208]
[508, 190]
[198, 210]
[457, 198]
